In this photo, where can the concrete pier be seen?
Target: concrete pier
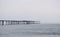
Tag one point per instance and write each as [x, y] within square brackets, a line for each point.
[13, 22]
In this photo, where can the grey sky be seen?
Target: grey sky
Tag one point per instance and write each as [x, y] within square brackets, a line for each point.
[46, 11]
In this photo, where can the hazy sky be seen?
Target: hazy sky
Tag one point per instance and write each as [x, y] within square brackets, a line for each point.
[46, 11]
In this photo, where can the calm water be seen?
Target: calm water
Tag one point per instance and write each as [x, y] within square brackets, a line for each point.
[36, 30]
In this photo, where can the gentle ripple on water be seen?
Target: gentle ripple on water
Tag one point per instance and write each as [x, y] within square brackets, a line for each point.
[29, 30]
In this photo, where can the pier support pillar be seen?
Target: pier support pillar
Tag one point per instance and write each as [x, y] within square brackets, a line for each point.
[2, 22]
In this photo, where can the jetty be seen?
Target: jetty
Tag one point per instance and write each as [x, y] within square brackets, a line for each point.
[15, 22]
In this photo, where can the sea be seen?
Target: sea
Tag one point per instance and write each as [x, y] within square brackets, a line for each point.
[30, 30]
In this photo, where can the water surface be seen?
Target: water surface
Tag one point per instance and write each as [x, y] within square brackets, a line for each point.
[31, 30]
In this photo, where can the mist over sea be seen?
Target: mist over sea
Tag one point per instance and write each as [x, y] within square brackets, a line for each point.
[30, 30]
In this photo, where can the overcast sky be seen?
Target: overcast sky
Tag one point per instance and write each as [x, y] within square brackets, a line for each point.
[46, 11]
